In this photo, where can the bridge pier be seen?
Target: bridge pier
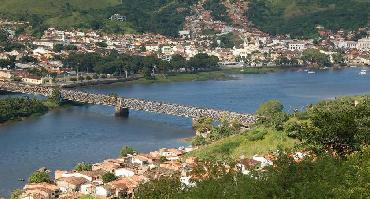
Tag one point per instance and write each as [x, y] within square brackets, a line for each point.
[122, 111]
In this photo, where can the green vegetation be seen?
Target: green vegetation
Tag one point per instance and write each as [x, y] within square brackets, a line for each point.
[335, 133]
[88, 196]
[314, 177]
[126, 150]
[39, 177]
[300, 18]
[218, 10]
[83, 166]
[313, 57]
[258, 141]
[148, 66]
[108, 177]
[165, 17]
[17, 108]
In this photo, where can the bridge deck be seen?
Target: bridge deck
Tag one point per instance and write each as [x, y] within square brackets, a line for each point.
[132, 103]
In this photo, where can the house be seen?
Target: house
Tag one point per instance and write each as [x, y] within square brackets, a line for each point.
[103, 191]
[264, 162]
[40, 191]
[128, 184]
[108, 165]
[245, 165]
[87, 188]
[5, 75]
[140, 159]
[363, 44]
[297, 46]
[88, 175]
[123, 172]
[33, 80]
[70, 184]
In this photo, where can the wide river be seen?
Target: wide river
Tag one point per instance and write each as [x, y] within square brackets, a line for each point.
[60, 139]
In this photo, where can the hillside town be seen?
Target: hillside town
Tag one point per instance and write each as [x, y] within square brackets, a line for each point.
[132, 170]
[240, 46]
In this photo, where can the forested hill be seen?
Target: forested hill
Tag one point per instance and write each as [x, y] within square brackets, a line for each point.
[160, 16]
[300, 17]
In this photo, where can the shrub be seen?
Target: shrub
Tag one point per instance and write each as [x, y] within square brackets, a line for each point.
[88, 78]
[83, 167]
[39, 177]
[126, 150]
[108, 177]
[198, 141]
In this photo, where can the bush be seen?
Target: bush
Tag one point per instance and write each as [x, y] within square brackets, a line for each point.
[108, 177]
[39, 177]
[95, 76]
[126, 150]
[83, 167]
[198, 141]
[73, 79]
[88, 78]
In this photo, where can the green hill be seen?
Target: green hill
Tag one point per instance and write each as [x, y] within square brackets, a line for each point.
[300, 17]
[161, 16]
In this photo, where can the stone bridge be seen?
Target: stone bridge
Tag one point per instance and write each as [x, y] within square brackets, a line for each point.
[122, 104]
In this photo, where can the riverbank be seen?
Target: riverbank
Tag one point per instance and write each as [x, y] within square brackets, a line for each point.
[13, 109]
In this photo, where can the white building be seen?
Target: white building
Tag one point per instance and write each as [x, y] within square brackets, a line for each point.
[363, 44]
[297, 46]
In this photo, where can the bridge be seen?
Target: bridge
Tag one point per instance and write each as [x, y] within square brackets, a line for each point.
[123, 104]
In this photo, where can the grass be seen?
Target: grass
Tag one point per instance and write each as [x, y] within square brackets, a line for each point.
[231, 148]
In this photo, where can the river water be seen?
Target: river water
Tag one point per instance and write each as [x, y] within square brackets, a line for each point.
[62, 138]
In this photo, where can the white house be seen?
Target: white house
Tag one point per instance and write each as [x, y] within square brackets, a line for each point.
[363, 44]
[123, 172]
[103, 191]
[297, 46]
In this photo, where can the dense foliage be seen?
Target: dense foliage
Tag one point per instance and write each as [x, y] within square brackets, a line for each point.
[126, 150]
[218, 10]
[15, 108]
[300, 18]
[313, 57]
[119, 64]
[165, 16]
[39, 177]
[108, 177]
[83, 166]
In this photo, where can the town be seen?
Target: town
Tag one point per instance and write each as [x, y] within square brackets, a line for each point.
[119, 178]
[50, 58]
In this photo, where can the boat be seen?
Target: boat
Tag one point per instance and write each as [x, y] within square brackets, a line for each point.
[311, 72]
[363, 72]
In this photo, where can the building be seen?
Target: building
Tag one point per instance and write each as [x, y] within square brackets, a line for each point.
[5, 75]
[33, 80]
[363, 44]
[40, 191]
[70, 184]
[297, 46]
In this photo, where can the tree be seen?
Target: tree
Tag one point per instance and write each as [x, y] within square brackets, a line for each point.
[341, 125]
[108, 177]
[56, 96]
[178, 62]
[314, 56]
[272, 114]
[126, 150]
[39, 177]
[83, 166]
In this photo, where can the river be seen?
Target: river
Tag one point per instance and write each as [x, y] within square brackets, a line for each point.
[62, 138]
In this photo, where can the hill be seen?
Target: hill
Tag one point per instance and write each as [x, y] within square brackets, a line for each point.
[299, 18]
[164, 16]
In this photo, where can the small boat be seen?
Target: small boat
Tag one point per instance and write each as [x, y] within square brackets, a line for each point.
[21, 179]
[363, 72]
[311, 72]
